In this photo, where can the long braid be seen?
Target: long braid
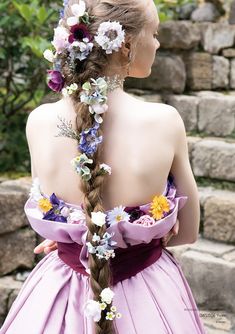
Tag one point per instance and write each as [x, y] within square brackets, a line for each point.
[93, 67]
[100, 273]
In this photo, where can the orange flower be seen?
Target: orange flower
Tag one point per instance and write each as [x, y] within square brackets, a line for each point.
[159, 205]
[44, 204]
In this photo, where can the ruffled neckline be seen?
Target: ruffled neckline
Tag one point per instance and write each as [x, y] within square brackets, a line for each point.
[169, 182]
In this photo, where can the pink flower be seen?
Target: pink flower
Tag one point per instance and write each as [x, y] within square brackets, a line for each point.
[60, 41]
[145, 220]
[56, 81]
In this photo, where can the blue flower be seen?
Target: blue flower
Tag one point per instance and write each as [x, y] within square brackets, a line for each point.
[65, 3]
[54, 213]
[89, 140]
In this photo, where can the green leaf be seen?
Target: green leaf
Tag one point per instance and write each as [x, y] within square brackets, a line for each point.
[42, 15]
[24, 10]
[36, 44]
[2, 53]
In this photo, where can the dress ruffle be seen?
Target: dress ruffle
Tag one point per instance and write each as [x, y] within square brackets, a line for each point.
[157, 299]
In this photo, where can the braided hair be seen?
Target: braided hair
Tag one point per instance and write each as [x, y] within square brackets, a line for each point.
[131, 14]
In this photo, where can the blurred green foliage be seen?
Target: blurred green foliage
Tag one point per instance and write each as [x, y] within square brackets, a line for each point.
[170, 9]
[26, 28]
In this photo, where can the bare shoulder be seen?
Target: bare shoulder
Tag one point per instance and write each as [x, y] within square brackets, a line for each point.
[45, 111]
[43, 117]
[163, 115]
[155, 109]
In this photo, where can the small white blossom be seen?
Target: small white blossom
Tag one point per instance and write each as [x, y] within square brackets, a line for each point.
[98, 218]
[113, 308]
[103, 306]
[78, 10]
[48, 55]
[66, 91]
[92, 310]
[106, 168]
[95, 237]
[107, 295]
[110, 316]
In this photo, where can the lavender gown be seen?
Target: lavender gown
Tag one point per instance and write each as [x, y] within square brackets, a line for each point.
[156, 300]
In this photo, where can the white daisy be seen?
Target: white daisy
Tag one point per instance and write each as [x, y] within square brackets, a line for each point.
[117, 214]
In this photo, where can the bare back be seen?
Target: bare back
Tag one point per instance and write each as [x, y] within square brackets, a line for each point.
[138, 145]
[143, 142]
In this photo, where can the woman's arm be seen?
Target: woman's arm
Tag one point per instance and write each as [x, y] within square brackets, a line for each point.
[189, 215]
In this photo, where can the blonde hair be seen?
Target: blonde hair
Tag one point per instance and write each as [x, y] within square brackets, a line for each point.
[133, 17]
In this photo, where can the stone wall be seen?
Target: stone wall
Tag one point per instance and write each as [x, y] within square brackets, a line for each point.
[193, 56]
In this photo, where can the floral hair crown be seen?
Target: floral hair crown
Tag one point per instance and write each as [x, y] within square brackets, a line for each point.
[79, 42]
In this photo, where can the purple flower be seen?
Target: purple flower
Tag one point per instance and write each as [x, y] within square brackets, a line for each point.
[56, 81]
[135, 212]
[51, 215]
[89, 140]
[54, 213]
[78, 32]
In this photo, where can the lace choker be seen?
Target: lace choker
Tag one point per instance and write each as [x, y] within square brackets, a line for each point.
[114, 82]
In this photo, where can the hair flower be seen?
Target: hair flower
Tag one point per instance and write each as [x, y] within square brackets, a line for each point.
[93, 309]
[60, 41]
[55, 80]
[89, 140]
[104, 248]
[78, 32]
[48, 55]
[110, 36]
[78, 10]
[98, 218]
[80, 50]
[159, 205]
[79, 163]
[107, 295]
[66, 91]
[105, 169]
[94, 94]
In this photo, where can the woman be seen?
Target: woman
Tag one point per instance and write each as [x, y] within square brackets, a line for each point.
[113, 211]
